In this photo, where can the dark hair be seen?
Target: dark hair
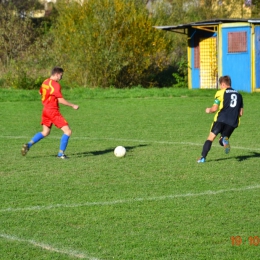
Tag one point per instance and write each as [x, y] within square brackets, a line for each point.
[225, 79]
[57, 70]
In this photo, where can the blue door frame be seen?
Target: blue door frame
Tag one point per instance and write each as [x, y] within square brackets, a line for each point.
[257, 57]
[237, 65]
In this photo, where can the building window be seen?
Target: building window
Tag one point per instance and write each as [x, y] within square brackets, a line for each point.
[237, 42]
[196, 52]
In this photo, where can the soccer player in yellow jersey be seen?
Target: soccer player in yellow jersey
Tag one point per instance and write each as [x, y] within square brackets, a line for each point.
[229, 107]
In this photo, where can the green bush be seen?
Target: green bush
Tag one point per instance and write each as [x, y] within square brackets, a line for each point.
[111, 42]
[21, 79]
[181, 76]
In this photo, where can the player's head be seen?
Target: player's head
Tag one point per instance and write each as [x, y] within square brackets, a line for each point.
[57, 70]
[57, 73]
[225, 80]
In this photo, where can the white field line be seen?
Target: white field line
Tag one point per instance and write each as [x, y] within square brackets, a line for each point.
[131, 140]
[69, 252]
[75, 254]
[122, 201]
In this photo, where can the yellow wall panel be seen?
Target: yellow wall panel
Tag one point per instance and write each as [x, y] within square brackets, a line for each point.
[208, 63]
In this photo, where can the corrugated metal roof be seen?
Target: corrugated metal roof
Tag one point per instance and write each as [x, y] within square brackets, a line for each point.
[205, 23]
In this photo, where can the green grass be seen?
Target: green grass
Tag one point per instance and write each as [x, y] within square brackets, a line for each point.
[155, 203]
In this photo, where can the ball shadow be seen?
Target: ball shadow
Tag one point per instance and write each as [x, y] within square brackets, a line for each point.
[105, 151]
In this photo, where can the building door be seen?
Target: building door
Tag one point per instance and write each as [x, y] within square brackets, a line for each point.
[257, 57]
[236, 56]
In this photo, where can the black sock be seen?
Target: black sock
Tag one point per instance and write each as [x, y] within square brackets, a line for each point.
[221, 141]
[206, 148]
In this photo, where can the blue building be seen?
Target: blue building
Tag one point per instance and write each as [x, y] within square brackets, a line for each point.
[222, 47]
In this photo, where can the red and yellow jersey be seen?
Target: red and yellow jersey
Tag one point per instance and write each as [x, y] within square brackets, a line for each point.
[50, 91]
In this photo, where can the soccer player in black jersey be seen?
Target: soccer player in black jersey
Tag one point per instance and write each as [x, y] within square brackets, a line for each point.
[229, 107]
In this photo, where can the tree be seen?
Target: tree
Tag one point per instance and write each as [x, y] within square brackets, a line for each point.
[16, 34]
[111, 42]
[22, 6]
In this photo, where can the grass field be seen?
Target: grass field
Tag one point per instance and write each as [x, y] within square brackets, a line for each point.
[155, 203]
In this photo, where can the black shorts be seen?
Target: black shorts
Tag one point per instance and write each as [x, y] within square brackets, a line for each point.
[222, 128]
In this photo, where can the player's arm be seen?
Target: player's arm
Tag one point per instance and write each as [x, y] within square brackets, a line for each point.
[212, 109]
[241, 112]
[215, 105]
[67, 103]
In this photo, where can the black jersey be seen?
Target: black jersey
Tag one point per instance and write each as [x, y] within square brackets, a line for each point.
[230, 103]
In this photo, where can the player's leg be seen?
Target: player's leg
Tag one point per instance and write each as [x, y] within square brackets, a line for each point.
[60, 122]
[226, 144]
[64, 141]
[206, 147]
[220, 140]
[225, 136]
[215, 130]
[46, 128]
[35, 139]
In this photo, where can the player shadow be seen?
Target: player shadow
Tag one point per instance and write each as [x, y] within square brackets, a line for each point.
[240, 158]
[105, 151]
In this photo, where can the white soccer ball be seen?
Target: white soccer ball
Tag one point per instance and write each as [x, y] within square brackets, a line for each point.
[120, 151]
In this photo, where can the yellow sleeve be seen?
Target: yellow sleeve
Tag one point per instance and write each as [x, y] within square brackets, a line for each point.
[218, 97]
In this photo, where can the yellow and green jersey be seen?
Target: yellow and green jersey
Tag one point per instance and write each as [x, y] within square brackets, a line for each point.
[230, 102]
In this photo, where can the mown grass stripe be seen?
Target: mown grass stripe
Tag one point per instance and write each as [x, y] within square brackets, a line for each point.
[124, 201]
[135, 141]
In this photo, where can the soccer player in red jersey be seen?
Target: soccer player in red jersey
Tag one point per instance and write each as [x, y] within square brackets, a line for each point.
[51, 98]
